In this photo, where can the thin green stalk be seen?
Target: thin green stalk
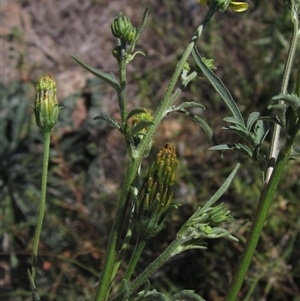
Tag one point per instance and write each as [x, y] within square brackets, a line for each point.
[108, 269]
[260, 217]
[136, 254]
[123, 250]
[151, 269]
[38, 230]
[286, 77]
[122, 92]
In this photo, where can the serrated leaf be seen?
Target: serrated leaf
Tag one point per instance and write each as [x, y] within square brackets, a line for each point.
[218, 86]
[109, 78]
[110, 120]
[252, 119]
[135, 111]
[143, 124]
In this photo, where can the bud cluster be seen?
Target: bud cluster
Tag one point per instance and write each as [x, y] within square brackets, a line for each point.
[46, 106]
[122, 29]
[154, 200]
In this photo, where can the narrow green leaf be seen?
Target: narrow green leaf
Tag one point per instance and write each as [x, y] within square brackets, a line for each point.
[218, 86]
[234, 120]
[271, 119]
[109, 78]
[234, 146]
[260, 132]
[135, 111]
[222, 189]
[187, 104]
[251, 120]
[143, 124]
[291, 99]
[35, 294]
[110, 120]
[241, 132]
[204, 125]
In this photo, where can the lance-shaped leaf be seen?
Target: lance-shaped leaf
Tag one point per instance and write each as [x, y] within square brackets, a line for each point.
[234, 146]
[218, 86]
[187, 104]
[109, 78]
[114, 123]
[251, 120]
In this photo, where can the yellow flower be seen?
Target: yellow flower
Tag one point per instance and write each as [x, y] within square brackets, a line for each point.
[237, 6]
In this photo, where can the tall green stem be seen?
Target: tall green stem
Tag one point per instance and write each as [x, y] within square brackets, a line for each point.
[273, 173]
[38, 230]
[112, 249]
[286, 77]
[260, 217]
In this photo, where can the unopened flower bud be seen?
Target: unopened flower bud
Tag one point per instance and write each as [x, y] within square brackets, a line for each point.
[122, 29]
[219, 215]
[154, 200]
[46, 107]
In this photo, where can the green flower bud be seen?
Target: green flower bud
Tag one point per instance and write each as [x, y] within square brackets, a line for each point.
[122, 29]
[219, 215]
[143, 119]
[209, 64]
[154, 200]
[46, 107]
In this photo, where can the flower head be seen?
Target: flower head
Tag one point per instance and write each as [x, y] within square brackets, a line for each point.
[222, 5]
[46, 107]
[154, 200]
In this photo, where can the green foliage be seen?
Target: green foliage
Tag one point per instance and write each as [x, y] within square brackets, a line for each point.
[79, 200]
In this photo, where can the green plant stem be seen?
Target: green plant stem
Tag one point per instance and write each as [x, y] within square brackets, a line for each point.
[106, 274]
[42, 204]
[122, 91]
[151, 269]
[123, 250]
[133, 260]
[167, 99]
[286, 77]
[260, 217]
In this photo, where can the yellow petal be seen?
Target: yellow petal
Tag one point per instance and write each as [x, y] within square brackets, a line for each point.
[238, 7]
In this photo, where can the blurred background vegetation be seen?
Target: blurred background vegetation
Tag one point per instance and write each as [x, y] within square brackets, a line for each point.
[88, 157]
